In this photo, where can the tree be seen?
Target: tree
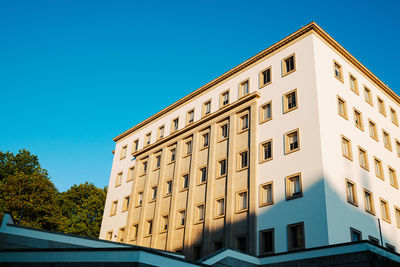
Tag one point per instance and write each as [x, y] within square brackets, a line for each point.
[82, 207]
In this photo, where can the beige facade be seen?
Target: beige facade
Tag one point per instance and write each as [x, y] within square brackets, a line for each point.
[242, 162]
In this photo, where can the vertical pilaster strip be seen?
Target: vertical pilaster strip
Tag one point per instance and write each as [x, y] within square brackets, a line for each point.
[146, 191]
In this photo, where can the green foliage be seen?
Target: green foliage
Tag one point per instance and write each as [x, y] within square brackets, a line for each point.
[27, 192]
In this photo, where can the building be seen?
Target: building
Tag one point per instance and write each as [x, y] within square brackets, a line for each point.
[295, 148]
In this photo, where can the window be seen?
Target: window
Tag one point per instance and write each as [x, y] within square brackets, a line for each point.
[134, 231]
[224, 99]
[342, 107]
[367, 96]
[185, 181]
[120, 237]
[393, 116]
[296, 236]
[206, 108]
[373, 132]
[266, 151]
[144, 167]
[358, 121]
[181, 218]
[337, 68]
[172, 155]
[164, 223]
[205, 139]
[190, 116]
[244, 88]
[221, 168]
[241, 201]
[161, 131]
[386, 140]
[220, 207]
[243, 160]
[346, 148]
[390, 247]
[267, 241]
[109, 235]
[203, 175]
[169, 188]
[241, 243]
[148, 139]
[355, 235]
[398, 148]
[381, 106]
[130, 174]
[385, 210]
[135, 146]
[353, 84]
[378, 168]
[196, 252]
[158, 162]
[351, 192]
[154, 193]
[266, 195]
[175, 125]
[290, 101]
[140, 199]
[373, 240]
[114, 206]
[363, 158]
[288, 65]
[293, 186]
[217, 245]
[125, 205]
[118, 179]
[292, 142]
[123, 152]
[223, 131]
[188, 147]
[393, 177]
[397, 215]
[243, 122]
[266, 112]
[200, 213]
[369, 202]
[149, 227]
[265, 77]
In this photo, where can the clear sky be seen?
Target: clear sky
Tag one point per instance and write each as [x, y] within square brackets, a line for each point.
[74, 74]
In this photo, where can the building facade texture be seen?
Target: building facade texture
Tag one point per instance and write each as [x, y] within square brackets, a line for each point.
[295, 148]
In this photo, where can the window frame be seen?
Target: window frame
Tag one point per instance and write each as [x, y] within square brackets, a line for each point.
[393, 116]
[126, 203]
[354, 192]
[284, 66]
[135, 145]
[262, 151]
[164, 223]
[285, 101]
[395, 183]
[387, 209]
[114, 208]
[397, 147]
[239, 160]
[241, 128]
[157, 161]
[147, 139]
[119, 178]
[261, 238]
[216, 215]
[221, 98]
[149, 228]
[262, 109]
[202, 139]
[372, 211]
[375, 130]
[289, 239]
[357, 232]
[380, 165]
[354, 79]
[238, 199]
[124, 152]
[349, 147]
[219, 175]
[204, 112]
[171, 154]
[286, 140]
[381, 104]
[144, 165]
[288, 194]
[360, 149]
[153, 194]
[188, 147]
[345, 115]
[161, 132]
[220, 131]
[361, 120]
[181, 187]
[261, 77]
[139, 200]
[201, 168]
[367, 91]
[120, 235]
[197, 218]
[397, 216]
[167, 193]
[189, 114]
[340, 68]
[389, 139]
[179, 217]
[262, 193]
[241, 86]
[173, 129]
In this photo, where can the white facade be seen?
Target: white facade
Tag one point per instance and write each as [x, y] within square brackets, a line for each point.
[323, 207]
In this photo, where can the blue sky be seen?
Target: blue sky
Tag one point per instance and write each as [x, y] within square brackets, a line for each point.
[73, 74]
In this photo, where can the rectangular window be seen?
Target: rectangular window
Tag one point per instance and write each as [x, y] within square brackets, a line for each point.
[265, 77]
[381, 106]
[109, 235]
[292, 141]
[188, 147]
[140, 199]
[223, 131]
[266, 151]
[288, 65]
[168, 190]
[266, 112]
[203, 175]
[397, 215]
[373, 240]
[148, 139]
[393, 177]
[267, 241]
[206, 108]
[175, 125]
[196, 252]
[346, 148]
[290, 101]
[131, 174]
[244, 122]
[342, 107]
[351, 192]
[373, 132]
[337, 70]
[390, 247]
[355, 235]
[164, 223]
[205, 139]
[114, 207]
[161, 131]
[149, 227]
[135, 146]
[378, 168]
[154, 193]
[125, 205]
[363, 158]
[266, 194]
[221, 168]
[120, 237]
[385, 213]
[190, 116]
[220, 207]
[358, 121]
[243, 161]
[172, 153]
[393, 116]
[144, 167]
[181, 218]
[157, 162]
[241, 243]
[369, 202]
[387, 140]
[241, 201]
[353, 84]
[118, 179]
[224, 99]
[295, 236]
[123, 152]
[200, 213]
[367, 96]
[217, 246]
[398, 147]
[185, 181]
[244, 88]
[293, 186]
[134, 231]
